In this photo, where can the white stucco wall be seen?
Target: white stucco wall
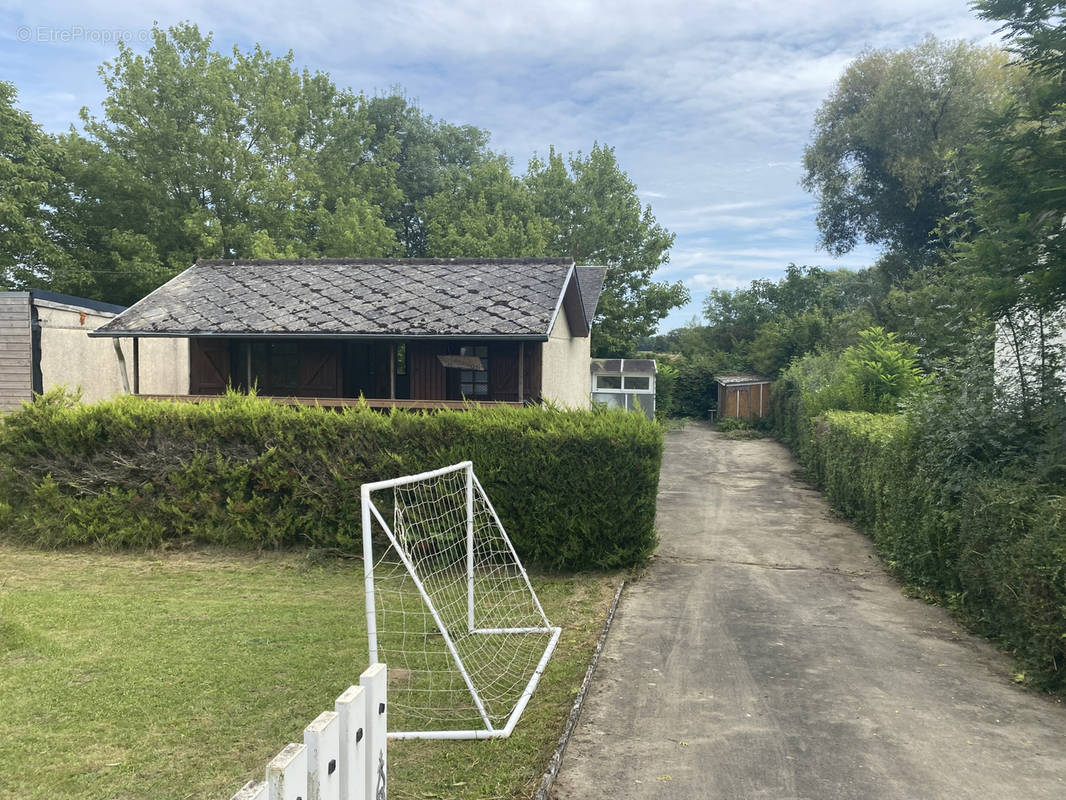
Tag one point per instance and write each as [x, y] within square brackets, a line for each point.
[70, 358]
[565, 365]
[1018, 348]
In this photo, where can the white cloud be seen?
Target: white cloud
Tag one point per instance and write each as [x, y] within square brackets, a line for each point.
[702, 281]
[708, 105]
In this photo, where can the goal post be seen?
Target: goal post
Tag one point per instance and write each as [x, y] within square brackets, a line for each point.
[449, 607]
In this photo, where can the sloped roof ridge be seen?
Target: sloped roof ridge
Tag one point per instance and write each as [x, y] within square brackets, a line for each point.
[261, 262]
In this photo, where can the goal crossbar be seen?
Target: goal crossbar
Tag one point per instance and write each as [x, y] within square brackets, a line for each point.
[473, 487]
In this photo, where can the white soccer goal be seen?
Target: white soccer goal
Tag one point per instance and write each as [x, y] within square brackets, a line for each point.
[449, 608]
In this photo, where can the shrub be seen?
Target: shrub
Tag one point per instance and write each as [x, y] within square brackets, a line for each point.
[982, 534]
[878, 372]
[665, 389]
[575, 490]
[695, 389]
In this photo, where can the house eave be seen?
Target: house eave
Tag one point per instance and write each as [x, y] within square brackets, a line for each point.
[466, 337]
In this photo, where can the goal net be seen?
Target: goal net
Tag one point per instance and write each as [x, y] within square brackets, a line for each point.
[449, 607]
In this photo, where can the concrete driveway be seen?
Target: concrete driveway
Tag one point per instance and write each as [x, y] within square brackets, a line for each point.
[766, 654]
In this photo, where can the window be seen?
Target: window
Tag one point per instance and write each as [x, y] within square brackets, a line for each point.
[608, 381]
[637, 383]
[474, 384]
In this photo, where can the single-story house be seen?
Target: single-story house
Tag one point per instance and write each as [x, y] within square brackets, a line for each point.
[405, 332]
[743, 396]
[627, 383]
[45, 343]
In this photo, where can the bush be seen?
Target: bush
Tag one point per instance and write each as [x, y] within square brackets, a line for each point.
[695, 393]
[575, 490]
[665, 389]
[983, 535]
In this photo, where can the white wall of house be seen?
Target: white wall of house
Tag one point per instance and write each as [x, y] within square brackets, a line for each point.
[565, 364]
[70, 358]
[1024, 342]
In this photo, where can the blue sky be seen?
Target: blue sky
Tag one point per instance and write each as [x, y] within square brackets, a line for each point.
[708, 105]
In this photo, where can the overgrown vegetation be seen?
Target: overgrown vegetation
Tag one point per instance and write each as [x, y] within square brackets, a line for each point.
[737, 428]
[962, 496]
[575, 490]
[177, 675]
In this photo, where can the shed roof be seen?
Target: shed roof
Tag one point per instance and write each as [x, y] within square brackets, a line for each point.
[737, 380]
[441, 298]
[627, 366]
[77, 302]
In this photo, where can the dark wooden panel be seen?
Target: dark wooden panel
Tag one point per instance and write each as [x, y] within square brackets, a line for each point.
[210, 367]
[429, 380]
[503, 372]
[319, 370]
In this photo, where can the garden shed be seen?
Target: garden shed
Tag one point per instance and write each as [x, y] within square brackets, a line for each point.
[743, 396]
[627, 383]
[45, 343]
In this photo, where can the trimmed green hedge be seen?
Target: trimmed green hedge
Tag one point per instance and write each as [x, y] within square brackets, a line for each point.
[993, 547]
[575, 490]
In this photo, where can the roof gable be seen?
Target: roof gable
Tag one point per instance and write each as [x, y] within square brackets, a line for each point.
[483, 298]
[591, 279]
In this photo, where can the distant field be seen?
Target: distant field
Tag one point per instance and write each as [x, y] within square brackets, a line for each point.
[180, 675]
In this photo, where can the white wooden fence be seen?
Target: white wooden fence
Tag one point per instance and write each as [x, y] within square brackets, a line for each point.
[343, 755]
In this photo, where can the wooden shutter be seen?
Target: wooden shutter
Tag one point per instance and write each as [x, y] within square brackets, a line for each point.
[210, 366]
[319, 370]
[503, 372]
[429, 380]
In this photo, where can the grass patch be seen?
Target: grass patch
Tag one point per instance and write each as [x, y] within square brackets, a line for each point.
[181, 675]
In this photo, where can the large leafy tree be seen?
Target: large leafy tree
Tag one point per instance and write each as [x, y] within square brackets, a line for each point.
[31, 184]
[429, 157]
[487, 212]
[888, 160]
[1020, 250]
[204, 155]
[597, 218]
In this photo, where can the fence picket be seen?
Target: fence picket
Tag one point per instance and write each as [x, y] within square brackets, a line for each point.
[375, 682]
[253, 790]
[322, 740]
[286, 774]
[343, 756]
[351, 712]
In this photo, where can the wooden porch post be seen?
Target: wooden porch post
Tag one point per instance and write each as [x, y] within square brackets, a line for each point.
[248, 367]
[521, 372]
[392, 370]
[136, 365]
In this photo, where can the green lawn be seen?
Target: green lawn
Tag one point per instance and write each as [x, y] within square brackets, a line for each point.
[181, 675]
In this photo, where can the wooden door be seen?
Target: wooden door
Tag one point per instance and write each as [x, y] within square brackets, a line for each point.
[319, 370]
[210, 366]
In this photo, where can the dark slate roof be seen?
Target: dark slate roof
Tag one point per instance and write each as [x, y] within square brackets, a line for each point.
[354, 297]
[739, 380]
[628, 366]
[590, 280]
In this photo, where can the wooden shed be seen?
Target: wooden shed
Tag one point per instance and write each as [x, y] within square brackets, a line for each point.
[743, 396]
